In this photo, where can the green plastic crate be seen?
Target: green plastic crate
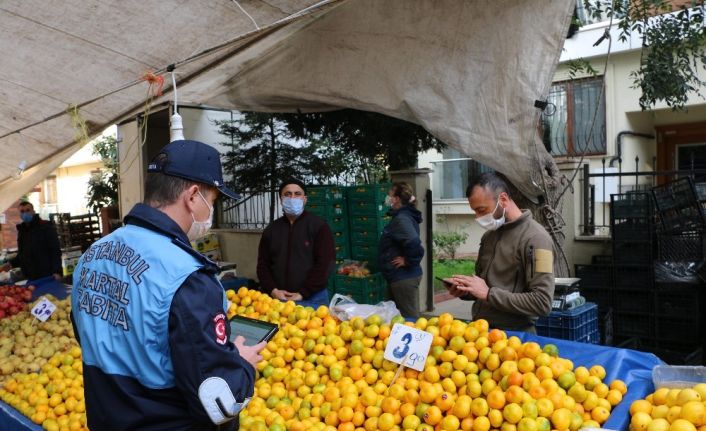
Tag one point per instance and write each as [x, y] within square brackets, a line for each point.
[376, 192]
[365, 290]
[327, 211]
[365, 253]
[368, 223]
[365, 238]
[367, 207]
[324, 194]
[341, 239]
[338, 223]
[342, 250]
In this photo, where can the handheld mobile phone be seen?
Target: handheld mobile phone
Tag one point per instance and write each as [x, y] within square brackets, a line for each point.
[444, 281]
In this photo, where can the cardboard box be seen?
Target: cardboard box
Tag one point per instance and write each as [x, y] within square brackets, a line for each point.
[69, 259]
[206, 244]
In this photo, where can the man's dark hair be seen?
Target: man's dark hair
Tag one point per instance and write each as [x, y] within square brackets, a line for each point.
[292, 180]
[162, 190]
[26, 204]
[491, 182]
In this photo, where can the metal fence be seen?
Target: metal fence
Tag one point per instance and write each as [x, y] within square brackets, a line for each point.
[257, 209]
[599, 184]
[250, 213]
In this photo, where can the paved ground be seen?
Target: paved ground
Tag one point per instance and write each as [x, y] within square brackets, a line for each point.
[458, 308]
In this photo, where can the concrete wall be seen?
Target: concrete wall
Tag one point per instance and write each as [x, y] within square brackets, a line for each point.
[240, 247]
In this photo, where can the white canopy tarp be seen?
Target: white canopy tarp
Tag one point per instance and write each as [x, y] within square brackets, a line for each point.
[469, 71]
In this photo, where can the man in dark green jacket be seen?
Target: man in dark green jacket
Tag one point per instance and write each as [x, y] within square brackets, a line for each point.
[514, 281]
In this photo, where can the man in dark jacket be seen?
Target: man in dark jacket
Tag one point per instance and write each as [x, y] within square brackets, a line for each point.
[38, 250]
[150, 314]
[296, 253]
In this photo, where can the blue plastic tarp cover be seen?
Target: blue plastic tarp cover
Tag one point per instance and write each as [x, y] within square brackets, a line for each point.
[12, 420]
[48, 286]
[632, 367]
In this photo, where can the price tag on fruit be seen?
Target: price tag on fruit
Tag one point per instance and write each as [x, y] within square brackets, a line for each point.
[43, 309]
[408, 345]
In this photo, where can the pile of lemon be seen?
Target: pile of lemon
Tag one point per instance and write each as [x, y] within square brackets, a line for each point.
[322, 374]
[52, 398]
[671, 410]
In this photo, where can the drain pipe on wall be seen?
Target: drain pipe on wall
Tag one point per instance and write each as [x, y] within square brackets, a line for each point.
[619, 143]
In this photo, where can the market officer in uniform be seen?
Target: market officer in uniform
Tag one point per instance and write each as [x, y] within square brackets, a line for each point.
[150, 314]
[514, 281]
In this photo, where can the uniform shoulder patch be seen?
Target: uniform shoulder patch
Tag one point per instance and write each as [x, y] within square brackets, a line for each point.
[544, 260]
[219, 325]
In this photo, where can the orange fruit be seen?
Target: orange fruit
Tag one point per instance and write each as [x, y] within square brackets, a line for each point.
[481, 423]
[433, 415]
[496, 399]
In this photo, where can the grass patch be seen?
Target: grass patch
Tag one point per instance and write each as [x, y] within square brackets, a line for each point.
[448, 267]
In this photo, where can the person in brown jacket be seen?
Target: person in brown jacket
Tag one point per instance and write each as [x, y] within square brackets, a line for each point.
[514, 281]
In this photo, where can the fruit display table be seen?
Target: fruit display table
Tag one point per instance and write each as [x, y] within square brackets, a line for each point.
[11, 419]
[630, 366]
[633, 367]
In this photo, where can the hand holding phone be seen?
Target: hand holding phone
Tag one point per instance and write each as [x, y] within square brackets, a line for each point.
[446, 282]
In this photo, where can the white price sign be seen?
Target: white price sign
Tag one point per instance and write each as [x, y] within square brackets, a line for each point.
[43, 309]
[410, 343]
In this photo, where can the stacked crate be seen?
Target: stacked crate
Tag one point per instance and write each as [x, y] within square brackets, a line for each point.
[329, 203]
[632, 227]
[597, 287]
[579, 324]
[367, 216]
[681, 245]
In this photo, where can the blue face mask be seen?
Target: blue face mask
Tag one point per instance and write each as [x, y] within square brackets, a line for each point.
[293, 206]
[27, 217]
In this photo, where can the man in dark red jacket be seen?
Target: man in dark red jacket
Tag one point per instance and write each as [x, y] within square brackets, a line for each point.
[296, 253]
[38, 250]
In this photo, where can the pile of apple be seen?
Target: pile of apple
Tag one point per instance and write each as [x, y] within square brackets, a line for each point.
[14, 299]
[320, 374]
[354, 269]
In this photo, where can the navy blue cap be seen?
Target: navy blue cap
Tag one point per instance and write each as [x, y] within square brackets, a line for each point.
[192, 160]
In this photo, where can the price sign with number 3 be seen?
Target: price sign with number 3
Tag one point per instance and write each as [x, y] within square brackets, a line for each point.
[409, 343]
[43, 309]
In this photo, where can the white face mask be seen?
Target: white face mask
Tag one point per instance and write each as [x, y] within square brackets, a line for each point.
[489, 222]
[199, 229]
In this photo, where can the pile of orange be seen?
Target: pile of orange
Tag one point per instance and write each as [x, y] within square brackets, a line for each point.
[671, 410]
[53, 397]
[322, 374]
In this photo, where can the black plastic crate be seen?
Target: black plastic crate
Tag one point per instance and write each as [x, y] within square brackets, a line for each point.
[602, 296]
[678, 206]
[679, 356]
[689, 246]
[594, 276]
[631, 231]
[633, 325]
[639, 277]
[633, 301]
[605, 325]
[676, 299]
[632, 252]
[631, 205]
[602, 259]
[681, 329]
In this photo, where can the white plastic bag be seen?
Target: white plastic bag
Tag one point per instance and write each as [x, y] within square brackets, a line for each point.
[345, 308]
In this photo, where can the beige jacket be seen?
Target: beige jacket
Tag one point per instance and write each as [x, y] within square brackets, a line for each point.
[516, 263]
